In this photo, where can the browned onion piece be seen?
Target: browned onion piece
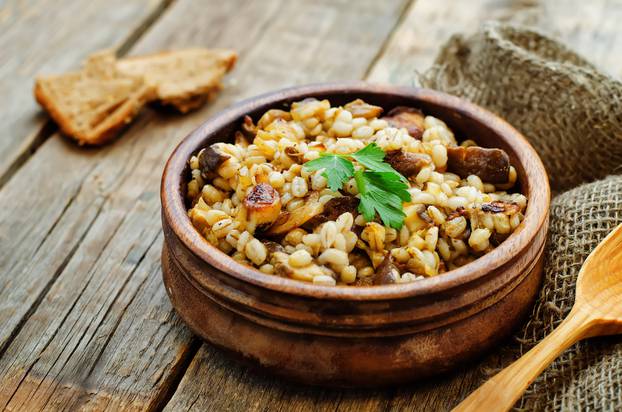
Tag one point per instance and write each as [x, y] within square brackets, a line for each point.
[359, 108]
[273, 247]
[291, 220]
[294, 154]
[500, 207]
[491, 165]
[263, 204]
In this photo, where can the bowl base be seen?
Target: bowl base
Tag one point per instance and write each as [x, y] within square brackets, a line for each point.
[349, 362]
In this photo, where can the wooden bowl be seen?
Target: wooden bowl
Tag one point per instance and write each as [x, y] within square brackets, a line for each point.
[356, 336]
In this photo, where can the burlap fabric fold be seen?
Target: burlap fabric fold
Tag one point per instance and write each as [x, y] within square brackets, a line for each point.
[572, 114]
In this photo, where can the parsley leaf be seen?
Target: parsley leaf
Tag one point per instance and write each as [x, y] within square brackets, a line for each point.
[337, 170]
[382, 193]
[372, 157]
[389, 182]
[381, 187]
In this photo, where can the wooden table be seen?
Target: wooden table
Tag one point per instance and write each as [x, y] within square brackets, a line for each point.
[85, 322]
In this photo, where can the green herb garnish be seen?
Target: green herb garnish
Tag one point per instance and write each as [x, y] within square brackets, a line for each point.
[381, 187]
[337, 169]
[372, 157]
[382, 192]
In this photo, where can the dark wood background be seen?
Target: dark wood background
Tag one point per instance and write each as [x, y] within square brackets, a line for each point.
[85, 322]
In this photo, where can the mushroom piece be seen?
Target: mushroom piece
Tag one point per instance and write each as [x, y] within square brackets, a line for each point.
[460, 211]
[491, 165]
[287, 221]
[500, 207]
[376, 257]
[422, 212]
[359, 108]
[263, 205]
[406, 163]
[273, 247]
[408, 117]
[386, 273]
[334, 208]
[280, 260]
[210, 159]
[294, 154]
[306, 274]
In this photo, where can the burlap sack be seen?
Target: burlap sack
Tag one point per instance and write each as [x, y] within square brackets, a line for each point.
[572, 114]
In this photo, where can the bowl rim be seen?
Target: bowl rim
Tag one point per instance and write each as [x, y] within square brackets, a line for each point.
[175, 214]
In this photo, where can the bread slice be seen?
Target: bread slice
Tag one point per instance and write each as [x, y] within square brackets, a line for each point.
[185, 79]
[92, 105]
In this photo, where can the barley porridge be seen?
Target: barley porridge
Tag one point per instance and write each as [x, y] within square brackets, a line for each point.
[347, 195]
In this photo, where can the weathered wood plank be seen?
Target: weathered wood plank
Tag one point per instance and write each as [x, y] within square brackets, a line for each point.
[591, 28]
[86, 241]
[233, 387]
[51, 36]
[87, 345]
[246, 389]
[412, 47]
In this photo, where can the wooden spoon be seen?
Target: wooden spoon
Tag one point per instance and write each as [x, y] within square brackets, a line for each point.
[597, 311]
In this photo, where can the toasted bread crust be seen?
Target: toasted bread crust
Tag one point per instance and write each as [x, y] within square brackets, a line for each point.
[185, 79]
[121, 117]
[94, 104]
[187, 104]
[104, 130]
[57, 115]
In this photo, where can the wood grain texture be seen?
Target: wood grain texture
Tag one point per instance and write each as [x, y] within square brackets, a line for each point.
[215, 382]
[49, 37]
[63, 213]
[412, 47]
[591, 28]
[77, 273]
